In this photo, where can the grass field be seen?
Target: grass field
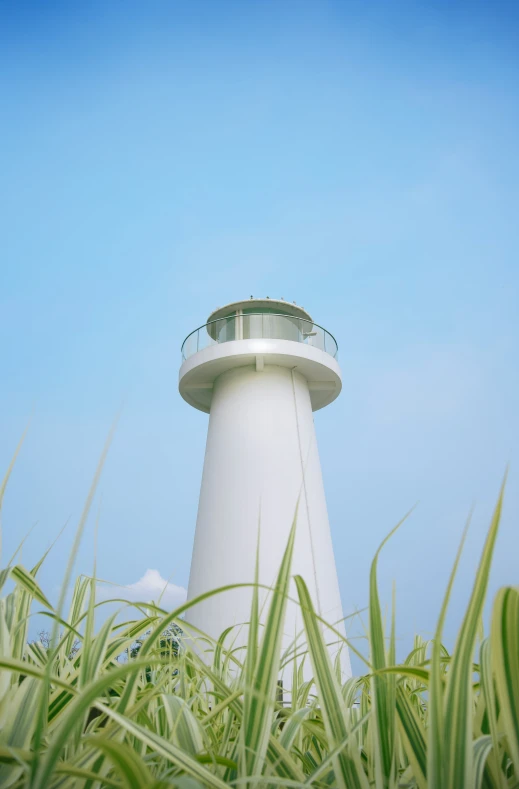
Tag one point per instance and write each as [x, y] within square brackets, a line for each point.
[108, 714]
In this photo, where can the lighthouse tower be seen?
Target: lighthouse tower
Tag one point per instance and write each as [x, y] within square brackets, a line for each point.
[260, 368]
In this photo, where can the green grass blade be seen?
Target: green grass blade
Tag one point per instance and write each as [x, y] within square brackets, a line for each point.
[413, 736]
[457, 753]
[489, 695]
[18, 730]
[435, 765]
[128, 764]
[505, 651]
[29, 583]
[171, 752]
[481, 749]
[332, 755]
[349, 773]
[260, 695]
[85, 776]
[5, 480]
[46, 762]
[292, 727]
[382, 687]
[183, 727]
[22, 667]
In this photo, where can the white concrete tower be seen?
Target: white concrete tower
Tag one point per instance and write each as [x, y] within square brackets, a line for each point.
[260, 368]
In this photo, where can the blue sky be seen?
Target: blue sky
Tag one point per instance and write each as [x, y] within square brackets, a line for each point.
[161, 159]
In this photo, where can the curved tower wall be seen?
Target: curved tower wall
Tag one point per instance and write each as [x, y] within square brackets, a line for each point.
[261, 460]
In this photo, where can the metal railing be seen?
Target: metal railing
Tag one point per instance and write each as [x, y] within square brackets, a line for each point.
[259, 326]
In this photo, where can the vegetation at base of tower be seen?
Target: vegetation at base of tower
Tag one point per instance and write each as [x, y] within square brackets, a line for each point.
[124, 700]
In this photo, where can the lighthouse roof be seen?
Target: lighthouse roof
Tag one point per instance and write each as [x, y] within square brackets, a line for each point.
[279, 306]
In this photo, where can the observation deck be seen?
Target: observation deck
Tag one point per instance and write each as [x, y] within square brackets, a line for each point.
[259, 332]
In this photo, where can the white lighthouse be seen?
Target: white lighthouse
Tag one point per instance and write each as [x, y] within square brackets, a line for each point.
[260, 368]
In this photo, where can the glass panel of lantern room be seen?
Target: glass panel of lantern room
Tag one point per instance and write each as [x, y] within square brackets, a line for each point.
[268, 323]
[253, 325]
[226, 328]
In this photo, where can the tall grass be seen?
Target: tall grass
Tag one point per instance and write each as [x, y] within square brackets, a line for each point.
[110, 715]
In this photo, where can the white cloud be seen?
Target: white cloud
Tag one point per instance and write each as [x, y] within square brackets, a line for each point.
[147, 589]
